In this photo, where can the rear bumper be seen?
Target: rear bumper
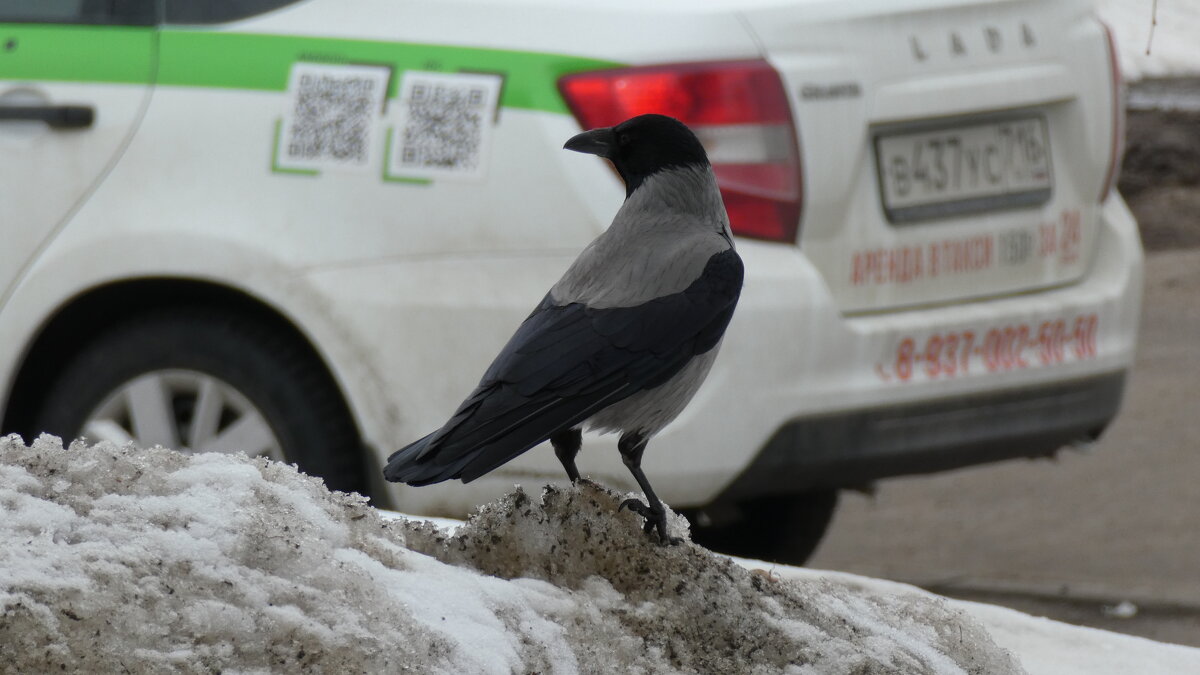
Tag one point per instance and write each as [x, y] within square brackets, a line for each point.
[852, 448]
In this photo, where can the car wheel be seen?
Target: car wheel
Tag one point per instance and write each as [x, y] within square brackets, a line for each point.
[202, 380]
[783, 529]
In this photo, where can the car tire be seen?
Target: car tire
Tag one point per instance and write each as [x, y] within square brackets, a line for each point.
[783, 529]
[266, 383]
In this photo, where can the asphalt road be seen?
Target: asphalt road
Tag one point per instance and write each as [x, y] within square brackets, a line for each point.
[1072, 538]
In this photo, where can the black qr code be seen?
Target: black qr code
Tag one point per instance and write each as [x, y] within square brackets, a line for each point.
[332, 117]
[444, 126]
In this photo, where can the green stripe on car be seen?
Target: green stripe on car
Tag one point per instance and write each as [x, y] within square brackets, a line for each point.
[76, 53]
[261, 62]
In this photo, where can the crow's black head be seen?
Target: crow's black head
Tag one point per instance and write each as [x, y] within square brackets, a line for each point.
[641, 146]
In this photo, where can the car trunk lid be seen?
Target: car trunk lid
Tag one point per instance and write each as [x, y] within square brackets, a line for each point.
[950, 151]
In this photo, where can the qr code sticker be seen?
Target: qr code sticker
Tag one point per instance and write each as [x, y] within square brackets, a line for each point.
[444, 127]
[334, 117]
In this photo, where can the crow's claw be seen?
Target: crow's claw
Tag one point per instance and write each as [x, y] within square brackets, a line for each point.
[636, 506]
[656, 519]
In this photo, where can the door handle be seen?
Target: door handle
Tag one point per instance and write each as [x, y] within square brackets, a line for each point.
[57, 116]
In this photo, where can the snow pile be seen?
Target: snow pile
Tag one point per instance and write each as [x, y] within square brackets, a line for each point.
[641, 607]
[1047, 647]
[1173, 50]
[1042, 646]
[117, 559]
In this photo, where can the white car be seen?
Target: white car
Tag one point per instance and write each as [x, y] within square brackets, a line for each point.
[305, 228]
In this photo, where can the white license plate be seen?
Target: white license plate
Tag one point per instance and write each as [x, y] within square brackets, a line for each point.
[967, 168]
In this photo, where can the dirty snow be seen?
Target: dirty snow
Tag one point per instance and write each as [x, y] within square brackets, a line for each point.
[1173, 50]
[1043, 646]
[118, 559]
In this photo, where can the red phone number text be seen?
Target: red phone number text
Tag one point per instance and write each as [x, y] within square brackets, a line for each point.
[1013, 347]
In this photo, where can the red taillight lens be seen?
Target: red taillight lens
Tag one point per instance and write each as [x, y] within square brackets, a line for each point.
[738, 109]
[1118, 115]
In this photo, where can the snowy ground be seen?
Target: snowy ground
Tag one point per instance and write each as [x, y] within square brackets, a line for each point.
[117, 559]
[1173, 49]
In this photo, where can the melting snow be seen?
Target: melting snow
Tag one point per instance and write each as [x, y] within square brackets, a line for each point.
[115, 559]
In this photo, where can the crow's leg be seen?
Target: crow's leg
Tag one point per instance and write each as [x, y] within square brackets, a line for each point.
[632, 445]
[566, 446]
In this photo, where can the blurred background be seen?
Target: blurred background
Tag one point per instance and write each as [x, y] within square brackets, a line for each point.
[1105, 535]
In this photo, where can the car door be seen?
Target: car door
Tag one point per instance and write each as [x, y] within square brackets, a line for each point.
[75, 76]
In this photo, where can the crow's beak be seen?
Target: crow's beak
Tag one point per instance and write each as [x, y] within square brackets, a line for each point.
[598, 142]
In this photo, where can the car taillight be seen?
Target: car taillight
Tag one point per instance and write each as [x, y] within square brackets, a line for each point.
[1118, 115]
[738, 109]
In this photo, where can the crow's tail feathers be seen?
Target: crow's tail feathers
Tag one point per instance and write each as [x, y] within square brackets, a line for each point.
[403, 465]
[494, 425]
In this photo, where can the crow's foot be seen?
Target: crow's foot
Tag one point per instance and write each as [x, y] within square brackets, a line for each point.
[656, 519]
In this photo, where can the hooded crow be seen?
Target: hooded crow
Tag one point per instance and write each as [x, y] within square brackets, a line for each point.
[622, 342]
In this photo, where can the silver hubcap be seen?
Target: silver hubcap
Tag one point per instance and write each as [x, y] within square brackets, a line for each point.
[183, 409]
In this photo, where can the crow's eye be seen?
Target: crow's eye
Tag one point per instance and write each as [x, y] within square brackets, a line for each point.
[624, 139]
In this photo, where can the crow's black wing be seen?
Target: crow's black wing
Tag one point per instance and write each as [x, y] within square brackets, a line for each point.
[564, 364]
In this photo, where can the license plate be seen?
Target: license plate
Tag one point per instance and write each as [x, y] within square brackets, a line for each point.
[966, 168]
